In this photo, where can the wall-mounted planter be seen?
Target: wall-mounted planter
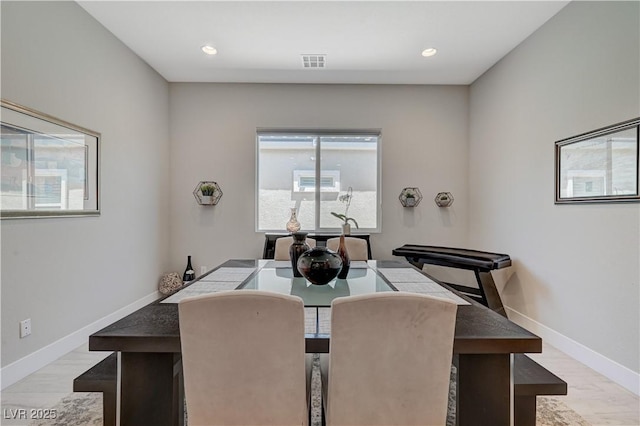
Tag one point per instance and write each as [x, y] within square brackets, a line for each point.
[410, 197]
[207, 193]
[444, 199]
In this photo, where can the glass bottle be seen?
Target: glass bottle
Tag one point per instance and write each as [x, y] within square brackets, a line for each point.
[298, 247]
[293, 225]
[344, 255]
[189, 273]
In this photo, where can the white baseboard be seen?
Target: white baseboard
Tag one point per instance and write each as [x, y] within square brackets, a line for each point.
[21, 368]
[618, 373]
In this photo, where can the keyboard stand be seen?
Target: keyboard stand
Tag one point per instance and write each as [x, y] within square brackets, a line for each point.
[480, 262]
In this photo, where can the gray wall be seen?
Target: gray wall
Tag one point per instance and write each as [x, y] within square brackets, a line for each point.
[66, 273]
[213, 134]
[576, 266]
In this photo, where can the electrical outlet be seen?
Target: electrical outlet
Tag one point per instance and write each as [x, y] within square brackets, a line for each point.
[203, 270]
[25, 328]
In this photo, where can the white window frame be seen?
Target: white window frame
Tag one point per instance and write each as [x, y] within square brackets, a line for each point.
[318, 194]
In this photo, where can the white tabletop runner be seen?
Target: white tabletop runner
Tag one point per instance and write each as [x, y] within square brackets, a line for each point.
[229, 274]
[412, 281]
[222, 279]
[317, 316]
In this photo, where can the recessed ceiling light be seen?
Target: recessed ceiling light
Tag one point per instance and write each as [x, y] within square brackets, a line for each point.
[429, 52]
[209, 50]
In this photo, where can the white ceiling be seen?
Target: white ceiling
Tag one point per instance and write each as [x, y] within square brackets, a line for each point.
[377, 42]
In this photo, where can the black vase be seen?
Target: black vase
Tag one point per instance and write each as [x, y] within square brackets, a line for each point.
[296, 249]
[319, 265]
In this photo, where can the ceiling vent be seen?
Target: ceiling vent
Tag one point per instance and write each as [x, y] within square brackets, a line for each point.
[314, 61]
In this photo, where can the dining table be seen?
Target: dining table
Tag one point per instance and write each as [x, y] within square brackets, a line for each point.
[150, 388]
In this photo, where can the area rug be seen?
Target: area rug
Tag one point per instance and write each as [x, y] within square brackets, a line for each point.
[76, 409]
[551, 411]
[85, 409]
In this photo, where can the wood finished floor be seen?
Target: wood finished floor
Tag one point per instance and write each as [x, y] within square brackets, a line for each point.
[598, 400]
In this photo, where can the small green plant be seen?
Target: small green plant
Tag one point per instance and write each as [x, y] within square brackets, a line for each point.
[346, 198]
[410, 197]
[207, 190]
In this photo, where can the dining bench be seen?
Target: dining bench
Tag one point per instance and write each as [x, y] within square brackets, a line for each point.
[530, 380]
[102, 377]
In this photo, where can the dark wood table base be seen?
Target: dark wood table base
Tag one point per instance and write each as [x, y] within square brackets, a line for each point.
[474, 405]
[145, 380]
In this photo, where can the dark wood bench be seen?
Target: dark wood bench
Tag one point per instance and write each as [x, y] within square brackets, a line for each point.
[102, 377]
[530, 379]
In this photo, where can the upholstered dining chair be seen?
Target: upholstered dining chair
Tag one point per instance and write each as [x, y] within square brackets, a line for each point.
[283, 244]
[389, 360]
[357, 248]
[243, 357]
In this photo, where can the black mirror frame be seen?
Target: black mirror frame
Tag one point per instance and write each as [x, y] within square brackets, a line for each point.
[615, 128]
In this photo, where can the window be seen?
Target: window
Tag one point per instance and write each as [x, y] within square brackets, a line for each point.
[311, 171]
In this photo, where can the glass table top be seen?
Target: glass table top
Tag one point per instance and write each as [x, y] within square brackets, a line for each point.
[281, 280]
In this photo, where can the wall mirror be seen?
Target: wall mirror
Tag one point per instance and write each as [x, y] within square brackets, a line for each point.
[599, 166]
[49, 167]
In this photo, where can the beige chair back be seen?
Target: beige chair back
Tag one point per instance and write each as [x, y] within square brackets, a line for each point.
[283, 244]
[390, 360]
[356, 247]
[243, 355]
